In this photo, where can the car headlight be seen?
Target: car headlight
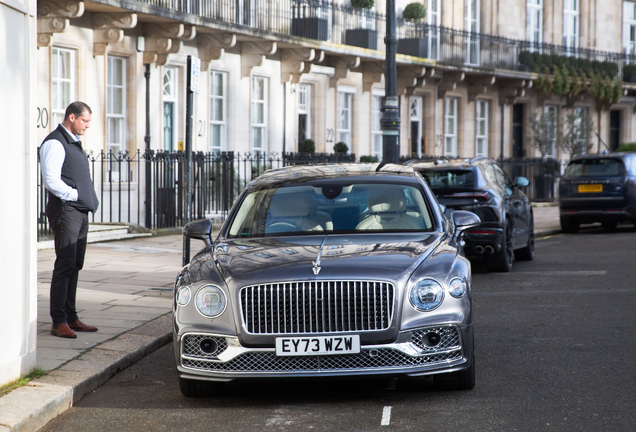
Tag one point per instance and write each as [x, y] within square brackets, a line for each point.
[426, 295]
[183, 296]
[210, 301]
[457, 287]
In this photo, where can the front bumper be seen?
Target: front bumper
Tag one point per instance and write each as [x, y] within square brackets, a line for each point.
[406, 356]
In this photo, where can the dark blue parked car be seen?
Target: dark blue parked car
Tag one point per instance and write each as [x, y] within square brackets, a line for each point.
[598, 188]
[481, 186]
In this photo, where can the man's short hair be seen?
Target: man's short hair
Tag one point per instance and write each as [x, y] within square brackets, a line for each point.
[77, 108]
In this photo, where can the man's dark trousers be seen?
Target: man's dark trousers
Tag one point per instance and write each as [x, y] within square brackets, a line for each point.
[70, 229]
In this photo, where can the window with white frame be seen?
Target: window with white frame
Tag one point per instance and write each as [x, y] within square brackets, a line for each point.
[433, 18]
[481, 136]
[472, 26]
[582, 134]
[304, 112]
[450, 127]
[259, 114]
[62, 83]
[551, 129]
[415, 125]
[376, 124]
[534, 23]
[218, 111]
[345, 115]
[571, 24]
[116, 104]
[169, 108]
[629, 27]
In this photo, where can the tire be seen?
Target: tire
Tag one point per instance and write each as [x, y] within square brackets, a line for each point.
[501, 260]
[527, 253]
[195, 388]
[609, 225]
[569, 225]
[460, 380]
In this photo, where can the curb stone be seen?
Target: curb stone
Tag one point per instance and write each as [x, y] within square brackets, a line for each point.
[29, 408]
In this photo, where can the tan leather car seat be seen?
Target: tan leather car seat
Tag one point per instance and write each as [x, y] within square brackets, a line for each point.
[387, 211]
[290, 210]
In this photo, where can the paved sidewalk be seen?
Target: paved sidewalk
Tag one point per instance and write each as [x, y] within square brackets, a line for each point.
[125, 289]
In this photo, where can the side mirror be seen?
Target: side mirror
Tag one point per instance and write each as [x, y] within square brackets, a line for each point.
[522, 181]
[464, 220]
[200, 229]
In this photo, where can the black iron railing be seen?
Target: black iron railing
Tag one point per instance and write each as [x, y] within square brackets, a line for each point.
[337, 23]
[218, 178]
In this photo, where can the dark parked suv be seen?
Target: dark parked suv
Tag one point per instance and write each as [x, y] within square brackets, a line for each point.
[481, 186]
[598, 188]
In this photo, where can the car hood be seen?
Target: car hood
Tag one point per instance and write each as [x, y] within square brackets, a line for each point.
[345, 257]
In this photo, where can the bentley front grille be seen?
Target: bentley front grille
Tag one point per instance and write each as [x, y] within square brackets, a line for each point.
[317, 307]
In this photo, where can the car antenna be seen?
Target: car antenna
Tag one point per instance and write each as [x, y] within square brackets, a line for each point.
[382, 164]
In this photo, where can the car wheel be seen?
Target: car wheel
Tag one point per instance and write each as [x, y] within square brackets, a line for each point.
[569, 225]
[609, 225]
[196, 388]
[527, 253]
[460, 380]
[501, 260]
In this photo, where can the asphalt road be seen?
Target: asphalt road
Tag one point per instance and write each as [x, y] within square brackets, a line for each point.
[555, 349]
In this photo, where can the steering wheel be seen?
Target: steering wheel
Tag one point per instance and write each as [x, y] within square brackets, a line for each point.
[282, 226]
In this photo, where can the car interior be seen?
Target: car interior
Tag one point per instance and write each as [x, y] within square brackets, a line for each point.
[332, 209]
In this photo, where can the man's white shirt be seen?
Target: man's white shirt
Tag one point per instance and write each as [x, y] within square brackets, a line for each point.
[52, 157]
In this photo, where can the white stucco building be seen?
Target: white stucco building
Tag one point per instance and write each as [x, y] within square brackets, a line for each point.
[18, 261]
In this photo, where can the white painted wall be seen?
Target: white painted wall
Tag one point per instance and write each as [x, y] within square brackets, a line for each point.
[18, 259]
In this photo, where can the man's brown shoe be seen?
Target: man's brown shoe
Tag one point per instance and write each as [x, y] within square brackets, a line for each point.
[62, 330]
[80, 326]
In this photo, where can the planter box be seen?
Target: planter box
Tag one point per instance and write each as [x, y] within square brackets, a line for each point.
[362, 38]
[416, 47]
[312, 28]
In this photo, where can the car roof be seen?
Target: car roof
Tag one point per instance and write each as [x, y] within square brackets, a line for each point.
[614, 155]
[304, 173]
[443, 163]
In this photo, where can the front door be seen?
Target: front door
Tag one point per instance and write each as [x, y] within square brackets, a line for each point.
[615, 130]
[517, 131]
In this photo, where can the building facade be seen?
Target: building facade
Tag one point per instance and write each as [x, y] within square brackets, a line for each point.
[18, 230]
[274, 73]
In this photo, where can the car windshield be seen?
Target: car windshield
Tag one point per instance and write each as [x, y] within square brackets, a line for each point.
[595, 167]
[332, 208]
[449, 178]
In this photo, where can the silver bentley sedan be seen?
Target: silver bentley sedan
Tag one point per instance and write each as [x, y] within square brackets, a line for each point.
[327, 271]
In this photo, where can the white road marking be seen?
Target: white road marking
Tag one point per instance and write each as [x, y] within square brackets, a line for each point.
[386, 416]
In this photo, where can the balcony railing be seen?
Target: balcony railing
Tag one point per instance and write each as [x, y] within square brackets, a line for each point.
[337, 23]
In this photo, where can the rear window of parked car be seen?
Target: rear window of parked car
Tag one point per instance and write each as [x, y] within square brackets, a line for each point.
[449, 178]
[595, 167]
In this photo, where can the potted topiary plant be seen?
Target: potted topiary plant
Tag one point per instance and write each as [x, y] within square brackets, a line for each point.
[413, 14]
[307, 146]
[310, 21]
[340, 148]
[365, 36]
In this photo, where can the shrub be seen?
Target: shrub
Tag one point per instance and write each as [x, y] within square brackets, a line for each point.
[624, 147]
[368, 159]
[341, 148]
[362, 4]
[307, 146]
[414, 11]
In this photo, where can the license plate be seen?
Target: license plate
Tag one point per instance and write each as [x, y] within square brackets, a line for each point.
[590, 188]
[317, 345]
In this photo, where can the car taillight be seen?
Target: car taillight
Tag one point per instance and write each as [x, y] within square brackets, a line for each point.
[477, 196]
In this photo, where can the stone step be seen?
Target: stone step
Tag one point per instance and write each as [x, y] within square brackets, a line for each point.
[99, 233]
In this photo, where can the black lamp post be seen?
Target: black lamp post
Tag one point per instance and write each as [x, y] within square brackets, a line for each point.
[390, 109]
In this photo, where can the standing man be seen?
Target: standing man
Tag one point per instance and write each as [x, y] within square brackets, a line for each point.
[71, 193]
